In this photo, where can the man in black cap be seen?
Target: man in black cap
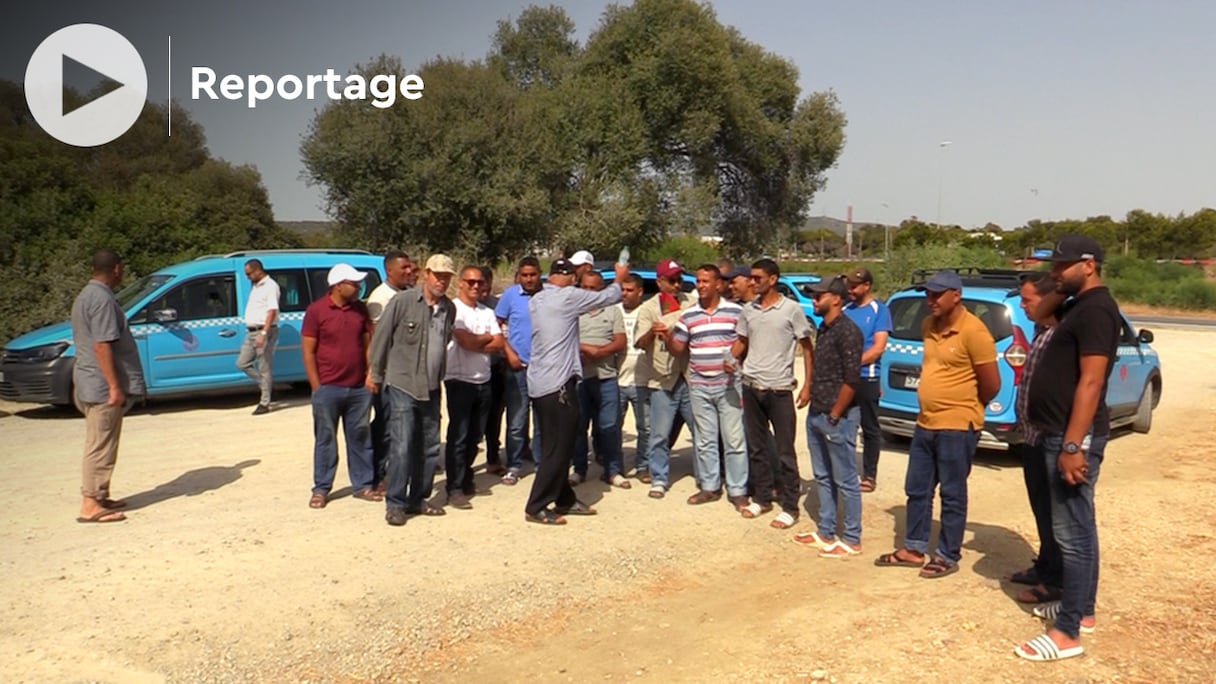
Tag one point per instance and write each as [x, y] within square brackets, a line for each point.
[831, 422]
[552, 381]
[874, 320]
[958, 378]
[1066, 407]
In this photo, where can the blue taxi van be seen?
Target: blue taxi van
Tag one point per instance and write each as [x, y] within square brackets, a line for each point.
[187, 323]
[1133, 391]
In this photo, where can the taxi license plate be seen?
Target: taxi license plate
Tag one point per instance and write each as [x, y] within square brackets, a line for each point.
[911, 381]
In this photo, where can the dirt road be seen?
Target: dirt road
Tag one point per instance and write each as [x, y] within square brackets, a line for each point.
[222, 572]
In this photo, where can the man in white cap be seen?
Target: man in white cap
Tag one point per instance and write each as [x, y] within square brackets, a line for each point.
[582, 262]
[334, 336]
[408, 358]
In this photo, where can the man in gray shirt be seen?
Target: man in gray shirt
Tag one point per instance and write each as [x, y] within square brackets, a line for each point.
[407, 359]
[601, 335]
[552, 383]
[770, 331]
[106, 373]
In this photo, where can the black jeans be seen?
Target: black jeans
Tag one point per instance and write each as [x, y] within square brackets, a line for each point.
[762, 408]
[867, 401]
[498, 404]
[1049, 566]
[557, 414]
[468, 407]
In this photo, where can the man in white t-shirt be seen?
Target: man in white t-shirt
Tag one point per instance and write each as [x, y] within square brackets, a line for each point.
[475, 337]
[634, 374]
[399, 274]
[262, 331]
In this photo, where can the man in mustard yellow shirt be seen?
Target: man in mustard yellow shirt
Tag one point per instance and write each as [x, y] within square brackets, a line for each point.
[958, 378]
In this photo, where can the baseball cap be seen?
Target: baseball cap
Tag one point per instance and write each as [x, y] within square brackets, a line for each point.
[1074, 247]
[582, 258]
[739, 272]
[860, 275]
[834, 285]
[942, 281]
[668, 268]
[341, 273]
[561, 267]
[440, 263]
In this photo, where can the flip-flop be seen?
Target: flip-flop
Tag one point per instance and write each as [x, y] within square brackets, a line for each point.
[101, 517]
[784, 521]
[938, 568]
[812, 540]
[579, 508]
[891, 560]
[1043, 649]
[1049, 612]
[113, 504]
[1028, 576]
[545, 517]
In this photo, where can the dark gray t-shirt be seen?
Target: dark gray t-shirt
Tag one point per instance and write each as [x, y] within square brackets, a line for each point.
[97, 317]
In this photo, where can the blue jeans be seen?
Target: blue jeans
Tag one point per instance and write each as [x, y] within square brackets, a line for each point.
[599, 406]
[639, 398]
[353, 405]
[1047, 564]
[834, 463]
[939, 457]
[1076, 531]
[718, 410]
[664, 406]
[518, 409]
[415, 449]
[468, 410]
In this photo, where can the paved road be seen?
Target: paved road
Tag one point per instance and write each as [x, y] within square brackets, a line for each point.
[1174, 321]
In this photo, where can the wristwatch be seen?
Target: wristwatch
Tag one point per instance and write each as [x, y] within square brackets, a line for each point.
[1072, 448]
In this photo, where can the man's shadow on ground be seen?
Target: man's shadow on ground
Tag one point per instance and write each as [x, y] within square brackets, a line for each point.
[190, 483]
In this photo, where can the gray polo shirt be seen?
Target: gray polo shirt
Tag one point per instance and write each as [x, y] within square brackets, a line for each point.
[772, 337]
[598, 328]
[97, 317]
[555, 312]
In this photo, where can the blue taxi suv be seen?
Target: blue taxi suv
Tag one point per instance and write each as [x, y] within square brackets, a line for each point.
[992, 295]
[187, 325]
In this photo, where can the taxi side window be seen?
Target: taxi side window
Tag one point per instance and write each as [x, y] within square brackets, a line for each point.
[199, 299]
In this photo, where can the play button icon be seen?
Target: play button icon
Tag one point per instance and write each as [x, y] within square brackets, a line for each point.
[107, 56]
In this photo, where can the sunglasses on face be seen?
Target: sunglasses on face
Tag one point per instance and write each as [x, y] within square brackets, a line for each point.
[472, 282]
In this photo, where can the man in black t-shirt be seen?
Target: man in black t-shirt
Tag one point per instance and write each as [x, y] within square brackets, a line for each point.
[1067, 410]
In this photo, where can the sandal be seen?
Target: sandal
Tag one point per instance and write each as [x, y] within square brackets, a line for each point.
[1043, 649]
[657, 491]
[868, 484]
[812, 540]
[579, 508]
[496, 469]
[318, 500]
[114, 504]
[368, 494]
[702, 497]
[892, 560]
[755, 510]
[510, 478]
[545, 517]
[1051, 611]
[644, 478]
[937, 568]
[784, 521]
[1039, 594]
[839, 549]
[619, 480]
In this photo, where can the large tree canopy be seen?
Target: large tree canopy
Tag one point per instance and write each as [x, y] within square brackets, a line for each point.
[155, 199]
[665, 121]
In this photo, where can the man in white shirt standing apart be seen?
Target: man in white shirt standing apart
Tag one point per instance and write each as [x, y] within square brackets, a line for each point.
[262, 331]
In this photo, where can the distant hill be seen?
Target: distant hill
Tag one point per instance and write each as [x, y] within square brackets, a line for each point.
[833, 224]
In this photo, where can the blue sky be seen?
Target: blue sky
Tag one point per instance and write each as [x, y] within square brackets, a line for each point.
[1102, 107]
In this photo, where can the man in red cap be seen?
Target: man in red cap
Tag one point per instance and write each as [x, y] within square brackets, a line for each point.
[669, 396]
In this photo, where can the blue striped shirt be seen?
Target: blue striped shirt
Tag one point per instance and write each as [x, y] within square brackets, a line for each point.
[709, 337]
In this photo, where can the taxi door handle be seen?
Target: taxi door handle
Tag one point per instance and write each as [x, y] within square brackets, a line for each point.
[227, 332]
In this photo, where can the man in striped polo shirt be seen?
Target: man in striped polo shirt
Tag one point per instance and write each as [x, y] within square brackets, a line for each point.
[706, 330]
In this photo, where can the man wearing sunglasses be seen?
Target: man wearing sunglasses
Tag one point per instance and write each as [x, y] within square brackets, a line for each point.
[475, 337]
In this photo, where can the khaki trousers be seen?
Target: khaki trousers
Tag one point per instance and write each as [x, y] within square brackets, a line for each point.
[103, 427]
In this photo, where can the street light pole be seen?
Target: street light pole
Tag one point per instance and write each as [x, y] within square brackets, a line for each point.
[941, 179]
[886, 234]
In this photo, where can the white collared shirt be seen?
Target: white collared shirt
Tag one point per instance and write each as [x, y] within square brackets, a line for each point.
[263, 298]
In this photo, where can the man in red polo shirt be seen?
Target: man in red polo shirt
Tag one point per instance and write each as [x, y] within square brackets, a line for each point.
[335, 336]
